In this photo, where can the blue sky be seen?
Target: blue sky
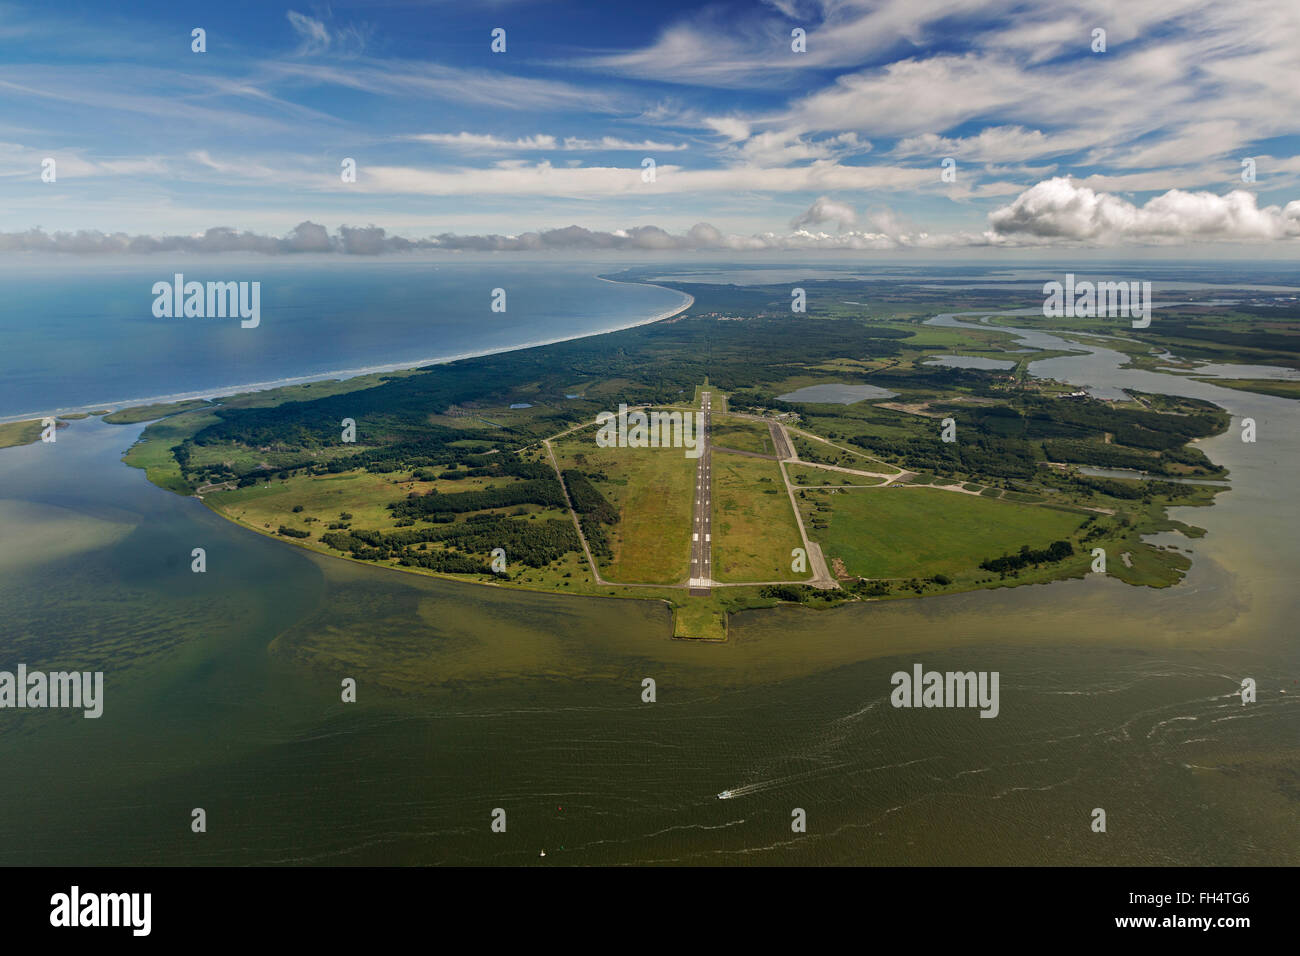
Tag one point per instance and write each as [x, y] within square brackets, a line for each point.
[755, 145]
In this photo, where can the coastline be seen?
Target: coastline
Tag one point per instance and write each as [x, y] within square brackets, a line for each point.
[405, 365]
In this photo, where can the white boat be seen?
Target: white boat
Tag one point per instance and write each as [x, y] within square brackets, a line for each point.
[725, 795]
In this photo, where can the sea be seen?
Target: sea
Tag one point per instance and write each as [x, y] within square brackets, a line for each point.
[83, 334]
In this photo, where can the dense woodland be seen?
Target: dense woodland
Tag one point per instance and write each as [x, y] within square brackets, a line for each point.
[1010, 440]
[526, 541]
[594, 511]
[536, 491]
[1026, 556]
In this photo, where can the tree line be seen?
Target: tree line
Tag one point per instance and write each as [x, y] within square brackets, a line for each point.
[1054, 552]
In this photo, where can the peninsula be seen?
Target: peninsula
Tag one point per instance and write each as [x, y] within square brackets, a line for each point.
[840, 455]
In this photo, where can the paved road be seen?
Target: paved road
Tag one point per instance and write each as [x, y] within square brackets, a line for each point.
[702, 514]
[781, 442]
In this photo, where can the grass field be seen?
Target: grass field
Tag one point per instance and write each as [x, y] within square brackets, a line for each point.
[700, 620]
[359, 500]
[810, 449]
[754, 529]
[653, 488]
[1281, 388]
[153, 451]
[363, 495]
[147, 413]
[742, 435]
[810, 475]
[906, 532]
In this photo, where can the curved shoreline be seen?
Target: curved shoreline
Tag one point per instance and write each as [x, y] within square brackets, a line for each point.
[406, 365]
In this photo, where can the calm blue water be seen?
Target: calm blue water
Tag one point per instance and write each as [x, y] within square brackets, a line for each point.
[82, 333]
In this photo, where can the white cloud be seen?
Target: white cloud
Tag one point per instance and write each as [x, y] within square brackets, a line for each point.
[309, 237]
[316, 36]
[780, 148]
[312, 32]
[614, 144]
[133, 91]
[728, 126]
[993, 144]
[493, 88]
[485, 142]
[19, 161]
[826, 210]
[545, 179]
[488, 143]
[1061, 209]
[1182, 83]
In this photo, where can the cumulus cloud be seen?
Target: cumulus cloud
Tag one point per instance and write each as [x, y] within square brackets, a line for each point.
[1062, 209]
[310, 237]
[305, 237]
[1055, 211]
[826, 210]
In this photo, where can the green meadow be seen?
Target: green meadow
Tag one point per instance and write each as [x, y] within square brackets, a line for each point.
[754, 529]
[729, 432]
[902, 532]
[653, 490]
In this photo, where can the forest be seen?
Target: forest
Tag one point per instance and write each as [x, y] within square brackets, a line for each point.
[1056, 551]
[526, 541]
